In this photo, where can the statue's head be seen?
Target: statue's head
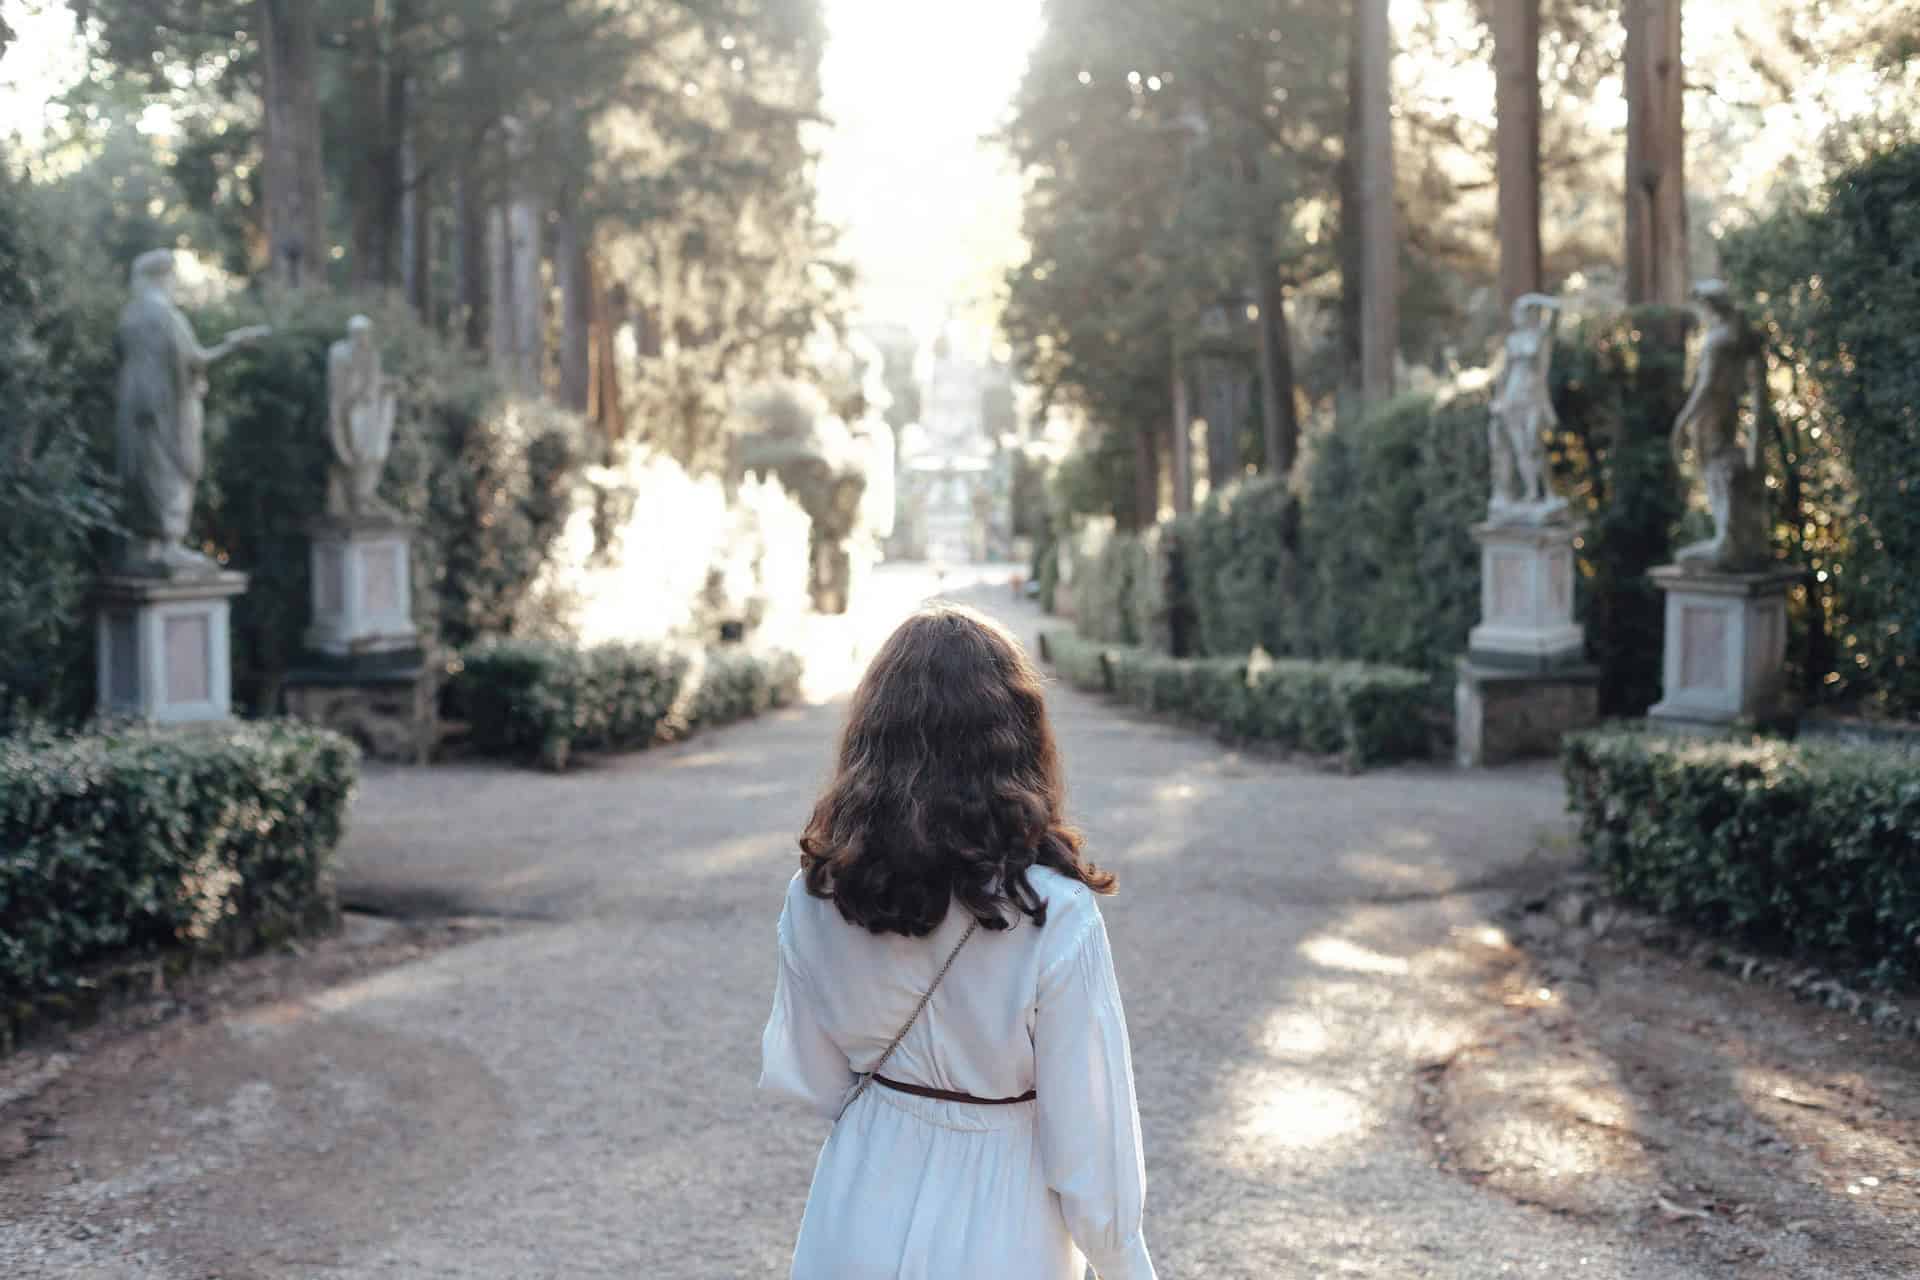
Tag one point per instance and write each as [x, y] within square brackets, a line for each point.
[154, 270]
[360, 331]
[1714, 295]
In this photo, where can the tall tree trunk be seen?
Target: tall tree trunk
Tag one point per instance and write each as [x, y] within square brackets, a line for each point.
[1146, 478]
[605, 405]
[1279, 430]
[1516, 43]
[1280, 416]
[416, 229]
[1380, 232]
[576, 311]
[1350, 240]
[514, 251]
[291, 174]
[471, 312]
[1656, 154]
[1182, 431]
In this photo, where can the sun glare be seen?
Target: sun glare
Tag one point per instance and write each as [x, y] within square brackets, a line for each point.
[931, 211]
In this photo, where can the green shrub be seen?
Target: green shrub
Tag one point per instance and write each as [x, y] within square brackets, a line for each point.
[539, 699]
[56, 501]
[1618, 384]
[1393, 571]
[733, 684]
[530, 698]
[1837, 282]
[118, 846]
[1081, 661]
[1363, 714]
[1813, 850]
[1241, 569]
[1104, 563]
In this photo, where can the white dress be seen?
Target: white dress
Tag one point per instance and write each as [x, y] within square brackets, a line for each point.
[913, 1188]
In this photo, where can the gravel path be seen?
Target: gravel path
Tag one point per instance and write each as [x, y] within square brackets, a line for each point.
[574, 1097]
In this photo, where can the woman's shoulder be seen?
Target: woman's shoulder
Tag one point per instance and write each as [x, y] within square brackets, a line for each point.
[1073, 911]
[1061, 892]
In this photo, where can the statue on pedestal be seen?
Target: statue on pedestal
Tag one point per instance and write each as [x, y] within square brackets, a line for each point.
[160, 423]
[1730, 357]
[360, 413]
[1522, 414]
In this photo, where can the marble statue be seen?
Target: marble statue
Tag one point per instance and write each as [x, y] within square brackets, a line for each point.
[1730, 359]
[1522, 414]
[360, 411]
[160, 422]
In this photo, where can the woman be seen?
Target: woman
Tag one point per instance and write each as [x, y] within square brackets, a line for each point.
[942, 934]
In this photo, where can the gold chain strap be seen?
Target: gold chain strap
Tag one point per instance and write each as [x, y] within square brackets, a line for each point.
[918, 1009]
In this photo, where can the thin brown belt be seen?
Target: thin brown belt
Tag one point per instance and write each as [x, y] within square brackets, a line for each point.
[947, 1095]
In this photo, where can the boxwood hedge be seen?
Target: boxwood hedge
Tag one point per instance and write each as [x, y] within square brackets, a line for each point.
[1362, 713]
[120, 846]
[547, 701]
[1808, 849]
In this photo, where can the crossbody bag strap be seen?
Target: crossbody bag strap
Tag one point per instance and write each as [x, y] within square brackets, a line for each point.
[918, 1009]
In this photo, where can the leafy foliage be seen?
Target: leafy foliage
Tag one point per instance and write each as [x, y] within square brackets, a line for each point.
[55, 500]
[1618, 385]
[1839, 289]
[1372, 557]
[118, 846]
[1810, 850]
[536, 699]
[1361, 713]
[486, 479]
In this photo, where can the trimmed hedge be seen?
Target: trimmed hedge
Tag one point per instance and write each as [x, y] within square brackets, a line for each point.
[127, 846]
[733, 684]
[1836, 282]
[1362, 713]
[540, 700]
[1809, 849]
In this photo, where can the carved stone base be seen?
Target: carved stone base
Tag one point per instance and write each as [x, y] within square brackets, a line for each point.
[1725, 649]
[1526, 599]
[1502, 715]
[362, 588]
[387, 705]
[164, 647]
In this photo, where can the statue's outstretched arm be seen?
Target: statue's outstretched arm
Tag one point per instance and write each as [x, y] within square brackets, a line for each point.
[231, 343]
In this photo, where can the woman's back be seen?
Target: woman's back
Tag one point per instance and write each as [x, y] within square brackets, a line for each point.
[976, 1034]
[946, 995]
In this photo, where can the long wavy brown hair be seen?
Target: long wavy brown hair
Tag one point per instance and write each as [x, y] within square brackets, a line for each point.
[948, 785]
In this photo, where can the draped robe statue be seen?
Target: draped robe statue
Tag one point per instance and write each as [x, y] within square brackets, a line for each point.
[1730, 358]
[1522, 414]
[160, 423]
[360, 412]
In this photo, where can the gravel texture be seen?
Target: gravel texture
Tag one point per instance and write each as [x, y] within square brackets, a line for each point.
[574, 1096]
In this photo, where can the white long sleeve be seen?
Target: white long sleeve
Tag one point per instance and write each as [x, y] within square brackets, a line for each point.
[797, 1058]
[1089, 1120]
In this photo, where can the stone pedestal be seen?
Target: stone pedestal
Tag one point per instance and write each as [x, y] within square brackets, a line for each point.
[362, 588]
[1503, 715]
[1526, 599]
[164, 647]
[386, 703]
[1524, 683]
[364, 673]
[1725, 648]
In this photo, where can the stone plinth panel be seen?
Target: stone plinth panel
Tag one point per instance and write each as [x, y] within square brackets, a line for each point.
[1726, 646]
[1526, 598]
[164, 650]
[385, 704]
[1501, 714]
[362, 588]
